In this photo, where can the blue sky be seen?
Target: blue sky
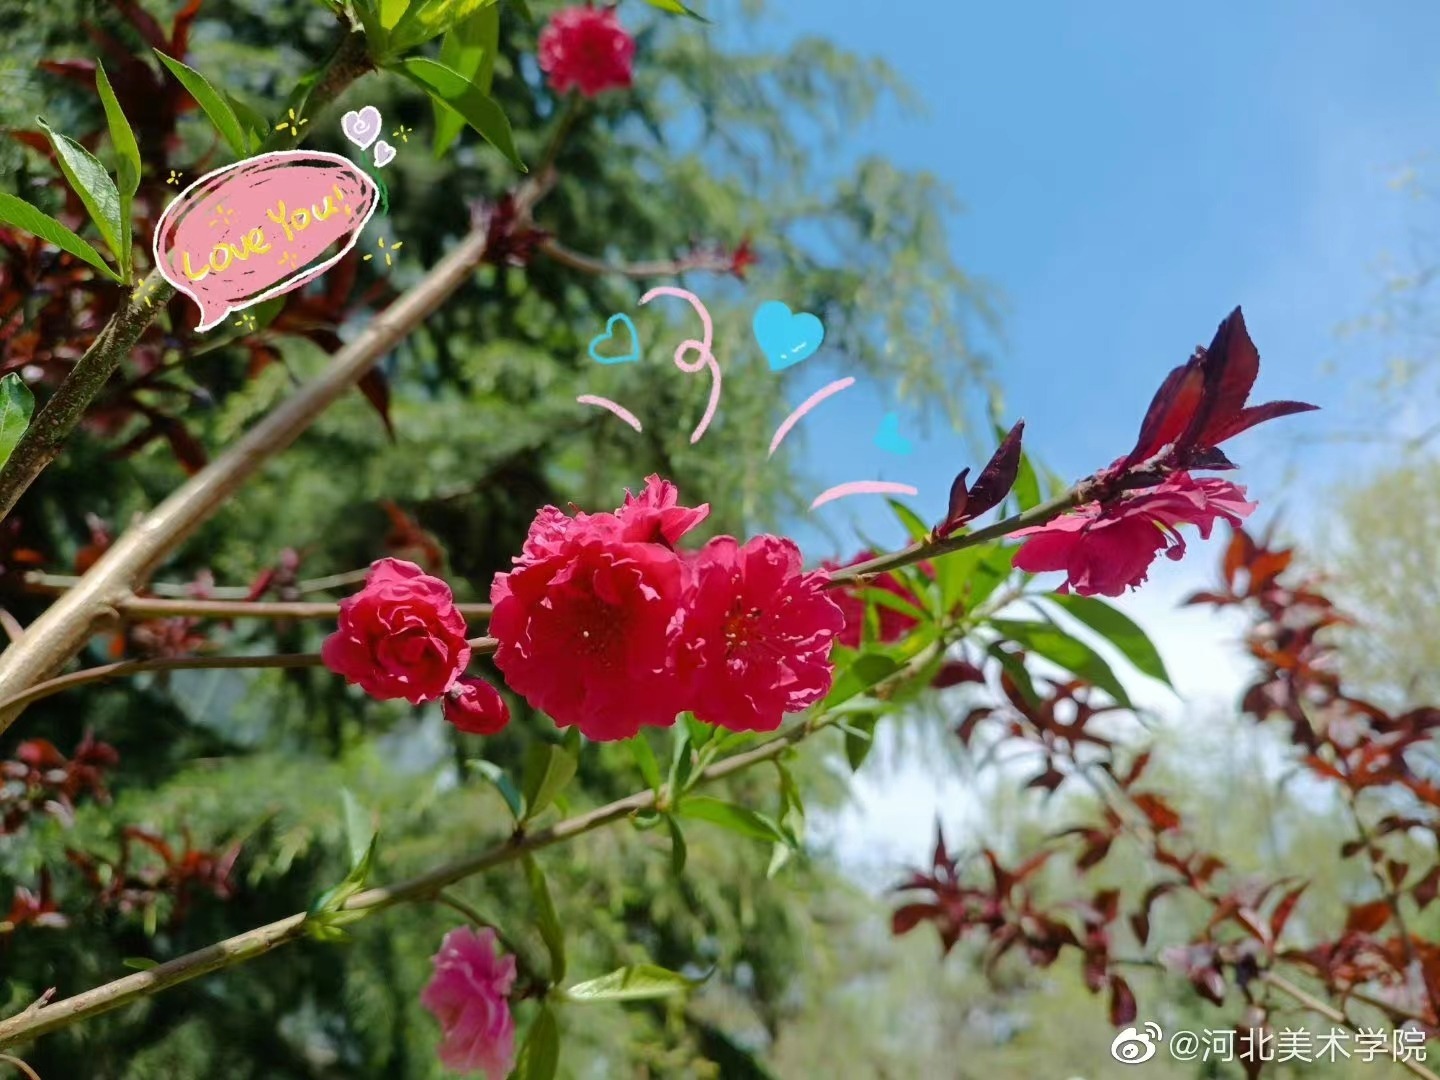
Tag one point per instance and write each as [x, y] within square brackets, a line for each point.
[1131, 172]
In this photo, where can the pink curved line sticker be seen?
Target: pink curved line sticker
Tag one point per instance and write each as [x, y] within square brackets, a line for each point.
[605, 403]
[261, 227]
[704, 360]
[814, 399]
[862, 487]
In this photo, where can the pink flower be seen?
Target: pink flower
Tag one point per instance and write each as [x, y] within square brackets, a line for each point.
[586, 48]
[1105, 548]
[468, 994]
[586, 628]
[894, 624]
[400, 636]
[475, 706]
[654, 516]
[757, 633]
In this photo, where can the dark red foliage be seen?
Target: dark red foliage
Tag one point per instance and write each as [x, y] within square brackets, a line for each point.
[1250, 925]
[33, 908]
[40, 779]
[1202, 403]
[990, 487]
[138, 880]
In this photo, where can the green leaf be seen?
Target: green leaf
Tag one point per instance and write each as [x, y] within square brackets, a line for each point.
[497, 776]
[864, 672]
[127, 161]
[887, 599]
[678, 850]
[359, 827]
[93, 184]
[859, 739]
[16, 211]
[548, 768]
[428, 19]
[969, 577]
[1118, 629]
[645, 760]
[16, 405]
[636, 982]
[1072, 654]
[327, 913]
[1015, 667]
[674, 7]
[540, 1056]
[456, 91]
[917, 529]
[140, 963]
[738, 819]
[546, 918]
[215, 104]
[392, 11]
[256, 126]
[682, 762]
[700, 732]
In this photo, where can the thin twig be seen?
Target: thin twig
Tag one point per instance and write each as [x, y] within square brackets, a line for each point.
[151, 607]
[718, 263]
[37, 581]
[1330, 1012]
[26, 1069]
[481, 646]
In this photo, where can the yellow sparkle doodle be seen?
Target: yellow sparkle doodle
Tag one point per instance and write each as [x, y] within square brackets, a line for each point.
[292, 124]
[402, 133]
[386, 252]
[174, 177]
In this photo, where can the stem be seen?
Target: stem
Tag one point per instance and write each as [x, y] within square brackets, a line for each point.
[61, 631]
[929, 549]
[37, 581]
[426, 886]
[48, 688]
[662, 268]
[1325, 1009]
[151, 607]
[26, 1069]
[47, 433]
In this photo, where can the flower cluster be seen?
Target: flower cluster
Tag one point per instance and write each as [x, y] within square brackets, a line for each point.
[893, 624]
[586, 49]
[402, 637]
[736, 633]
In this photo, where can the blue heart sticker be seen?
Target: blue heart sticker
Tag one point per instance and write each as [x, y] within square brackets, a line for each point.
[889, 439]
[786, 337]
[609, 334]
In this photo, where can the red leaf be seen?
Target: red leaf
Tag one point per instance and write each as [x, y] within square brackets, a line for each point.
[1368, 918]
[1123, 1009]
[1161, 814]
[376, 388]
[990, 487]
[1426, 888]
[1283, 910]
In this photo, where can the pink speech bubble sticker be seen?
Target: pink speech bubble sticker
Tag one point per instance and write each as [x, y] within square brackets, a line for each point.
[261, 227]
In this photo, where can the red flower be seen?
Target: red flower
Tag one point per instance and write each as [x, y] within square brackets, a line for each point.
[400, 636]
[475, 706]
[742, 258]
[1105, 547]
[758, 633]
[894, 625]
[586, 624]
[588, 49]
[468, 995]
[654, 516]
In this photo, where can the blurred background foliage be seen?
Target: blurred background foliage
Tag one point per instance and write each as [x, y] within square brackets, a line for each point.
[712, 147]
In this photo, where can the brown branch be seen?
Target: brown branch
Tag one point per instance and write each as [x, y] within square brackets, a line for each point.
[154, 607]
[61, 631]
[37, 581]
[715, 262]
[481, 646]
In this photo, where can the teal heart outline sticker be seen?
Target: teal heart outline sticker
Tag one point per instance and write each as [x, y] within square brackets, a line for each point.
[786, 337]
[599, 339]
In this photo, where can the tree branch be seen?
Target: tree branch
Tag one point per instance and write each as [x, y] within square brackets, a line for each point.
[715, 262]
[481, 646]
